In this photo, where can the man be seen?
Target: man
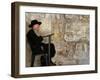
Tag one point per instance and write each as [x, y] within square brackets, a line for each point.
[36, 44]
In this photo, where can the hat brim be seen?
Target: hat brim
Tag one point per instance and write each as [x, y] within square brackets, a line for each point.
[35, 23]
[39, 23]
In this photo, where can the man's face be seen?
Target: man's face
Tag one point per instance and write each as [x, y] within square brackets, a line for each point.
[36, 27]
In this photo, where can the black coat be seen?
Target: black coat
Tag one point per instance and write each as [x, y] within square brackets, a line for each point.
[36, 44]
[34, 41]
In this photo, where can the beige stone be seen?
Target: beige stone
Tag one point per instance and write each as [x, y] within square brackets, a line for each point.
[71, 37]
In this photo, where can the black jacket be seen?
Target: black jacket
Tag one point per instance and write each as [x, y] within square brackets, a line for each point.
[36, 44]
[34, 41]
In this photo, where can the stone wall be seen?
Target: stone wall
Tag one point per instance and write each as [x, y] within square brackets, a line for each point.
[71, 37]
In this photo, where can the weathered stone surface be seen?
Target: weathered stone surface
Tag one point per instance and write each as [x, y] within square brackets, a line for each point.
[71, 36]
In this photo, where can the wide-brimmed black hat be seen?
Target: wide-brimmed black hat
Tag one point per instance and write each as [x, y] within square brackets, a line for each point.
[33, 22]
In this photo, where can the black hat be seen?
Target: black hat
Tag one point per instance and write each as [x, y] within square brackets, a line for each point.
[33, 22]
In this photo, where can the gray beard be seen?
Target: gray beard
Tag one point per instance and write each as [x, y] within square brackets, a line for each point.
[37, 32]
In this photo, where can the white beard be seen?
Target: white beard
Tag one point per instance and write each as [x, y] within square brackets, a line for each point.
[37, 32]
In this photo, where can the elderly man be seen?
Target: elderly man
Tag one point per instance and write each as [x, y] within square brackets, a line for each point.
[37, 46]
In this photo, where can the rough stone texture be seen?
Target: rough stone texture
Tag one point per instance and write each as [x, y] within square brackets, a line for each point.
[71, 37]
